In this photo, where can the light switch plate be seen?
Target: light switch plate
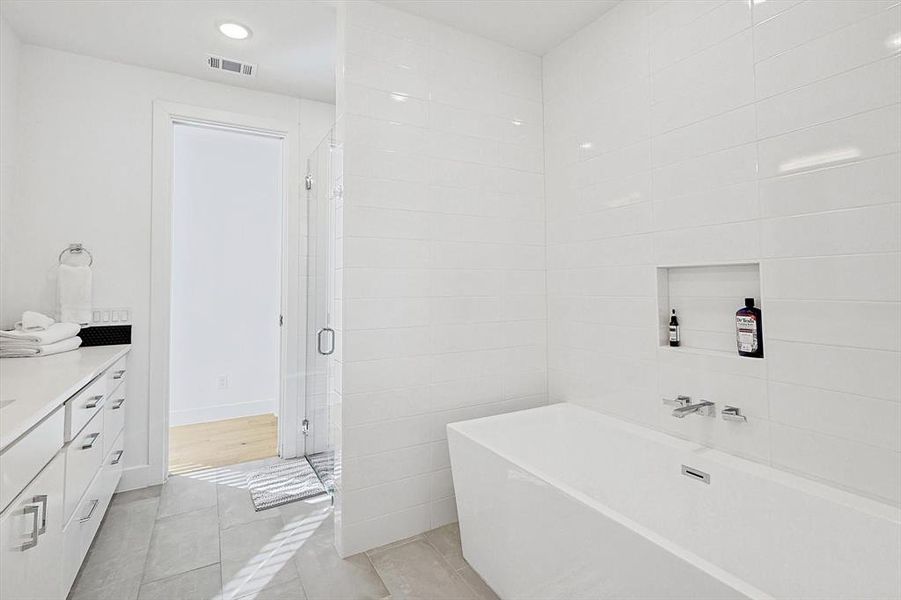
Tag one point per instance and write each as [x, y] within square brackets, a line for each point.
[111, 316]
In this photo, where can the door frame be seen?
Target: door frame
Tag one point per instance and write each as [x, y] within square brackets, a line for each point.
[165, 116]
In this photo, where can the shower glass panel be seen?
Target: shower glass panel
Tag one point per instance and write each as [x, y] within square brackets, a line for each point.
[323, 191]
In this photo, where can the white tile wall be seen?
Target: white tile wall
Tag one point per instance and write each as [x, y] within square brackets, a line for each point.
[442, 295]
[710, 132]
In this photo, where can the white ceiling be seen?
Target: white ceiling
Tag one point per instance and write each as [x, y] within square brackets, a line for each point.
[293, 42]
[534, 26]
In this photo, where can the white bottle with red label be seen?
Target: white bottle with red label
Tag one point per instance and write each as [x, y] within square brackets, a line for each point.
[749, 330]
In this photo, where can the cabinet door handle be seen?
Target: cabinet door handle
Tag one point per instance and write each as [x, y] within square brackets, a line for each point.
[31, 543]
[90, 514]
[42, 500]
[93, 401]
[331, 340]
[119, 454]
[119, 374]
[118, 403]
[89, 443]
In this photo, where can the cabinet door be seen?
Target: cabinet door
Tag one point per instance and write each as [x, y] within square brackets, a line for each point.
[31, 538]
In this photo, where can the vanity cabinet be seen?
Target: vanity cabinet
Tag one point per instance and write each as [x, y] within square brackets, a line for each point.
[31, 531]
[58, 476]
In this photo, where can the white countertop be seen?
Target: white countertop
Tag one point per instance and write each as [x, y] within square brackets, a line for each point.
[38, 386]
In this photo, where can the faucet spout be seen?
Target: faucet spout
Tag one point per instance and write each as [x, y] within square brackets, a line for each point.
[703, 408]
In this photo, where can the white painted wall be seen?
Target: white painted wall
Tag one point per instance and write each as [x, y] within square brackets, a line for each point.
[85, 175]
[707, 132]
[442, 286]
[10, 48]
[226, 255]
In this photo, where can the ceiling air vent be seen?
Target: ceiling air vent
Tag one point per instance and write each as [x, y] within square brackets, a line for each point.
[231, 66]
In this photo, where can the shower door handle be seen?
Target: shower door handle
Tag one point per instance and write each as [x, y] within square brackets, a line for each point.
[331, 347]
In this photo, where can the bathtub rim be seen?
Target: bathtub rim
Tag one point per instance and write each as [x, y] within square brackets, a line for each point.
[834, 494]
[797, 482]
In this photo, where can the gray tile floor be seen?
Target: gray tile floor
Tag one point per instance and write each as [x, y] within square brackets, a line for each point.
[198, 538]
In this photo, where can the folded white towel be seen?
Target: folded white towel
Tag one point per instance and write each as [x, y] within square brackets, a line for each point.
[64, 346]
[74, 285]
[55, 333]
[34, 321]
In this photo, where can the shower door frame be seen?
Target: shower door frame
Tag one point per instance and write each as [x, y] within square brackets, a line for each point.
[291, 413]
[319, 179]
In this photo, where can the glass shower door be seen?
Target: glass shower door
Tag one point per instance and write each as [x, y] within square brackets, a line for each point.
[320, 333]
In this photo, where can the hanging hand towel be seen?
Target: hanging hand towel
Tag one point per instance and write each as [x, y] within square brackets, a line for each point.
[34, 321]
[66, 345]
[74, 285]
[55, 333]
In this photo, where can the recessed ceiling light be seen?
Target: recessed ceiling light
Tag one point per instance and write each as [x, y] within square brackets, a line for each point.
[234, 31]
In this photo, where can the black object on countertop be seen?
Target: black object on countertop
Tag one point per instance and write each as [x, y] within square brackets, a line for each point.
[105, 335]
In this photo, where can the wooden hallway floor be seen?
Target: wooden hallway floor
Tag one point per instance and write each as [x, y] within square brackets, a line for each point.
[221, 443]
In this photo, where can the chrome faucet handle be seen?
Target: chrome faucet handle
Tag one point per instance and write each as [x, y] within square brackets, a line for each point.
[733, 413]
[679, 401]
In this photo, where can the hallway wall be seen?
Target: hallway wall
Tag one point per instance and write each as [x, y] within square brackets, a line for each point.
[226, 274]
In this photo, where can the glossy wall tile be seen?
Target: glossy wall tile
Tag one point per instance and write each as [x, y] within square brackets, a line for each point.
[443, 258]
[768, 133]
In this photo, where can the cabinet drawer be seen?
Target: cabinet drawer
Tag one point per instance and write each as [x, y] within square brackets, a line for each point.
[30, 539]
[116, 374]
[23, 460]
[82, 407]
[83, 525]
[114, 416]
[83, 457]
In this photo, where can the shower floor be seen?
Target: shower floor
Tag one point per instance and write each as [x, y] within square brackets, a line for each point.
[323, 464]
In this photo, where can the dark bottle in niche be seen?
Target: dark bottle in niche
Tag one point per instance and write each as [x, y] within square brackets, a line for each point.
[749, 330]
[674, 329]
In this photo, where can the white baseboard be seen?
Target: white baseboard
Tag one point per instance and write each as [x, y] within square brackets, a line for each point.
[137, 477]
[222, 411]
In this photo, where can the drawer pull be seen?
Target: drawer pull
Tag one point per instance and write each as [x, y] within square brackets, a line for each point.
[90, 514]
[31, 543]
[42, 500]
[118, 403]
[89, 443]
[119, 374]
[119, 454]
[93, 401]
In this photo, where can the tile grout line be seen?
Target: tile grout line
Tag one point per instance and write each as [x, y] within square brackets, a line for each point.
[451, 567]
[156, 519]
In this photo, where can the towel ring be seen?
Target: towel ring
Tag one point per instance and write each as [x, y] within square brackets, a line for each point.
[76, 249]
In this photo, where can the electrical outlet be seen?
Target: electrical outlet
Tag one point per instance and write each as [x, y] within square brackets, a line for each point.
[222, 382]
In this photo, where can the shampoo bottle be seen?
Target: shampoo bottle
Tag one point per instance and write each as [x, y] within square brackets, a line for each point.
[674, 330]
[749, 330]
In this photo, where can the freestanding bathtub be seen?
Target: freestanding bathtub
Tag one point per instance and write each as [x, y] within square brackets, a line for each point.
[563, 502]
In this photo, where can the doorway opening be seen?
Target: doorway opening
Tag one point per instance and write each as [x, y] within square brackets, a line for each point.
[225, 314]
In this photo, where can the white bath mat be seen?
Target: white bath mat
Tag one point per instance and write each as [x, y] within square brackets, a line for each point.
[283, 482]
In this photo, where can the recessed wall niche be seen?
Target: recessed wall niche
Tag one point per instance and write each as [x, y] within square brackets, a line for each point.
[705, 298]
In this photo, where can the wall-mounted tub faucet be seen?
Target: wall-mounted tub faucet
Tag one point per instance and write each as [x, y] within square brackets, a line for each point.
[684, 406]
